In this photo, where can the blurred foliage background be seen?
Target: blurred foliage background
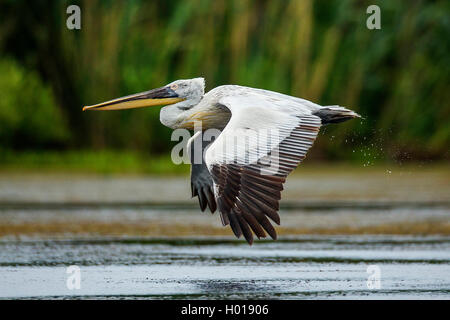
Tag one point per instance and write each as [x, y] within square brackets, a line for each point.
[397, 77]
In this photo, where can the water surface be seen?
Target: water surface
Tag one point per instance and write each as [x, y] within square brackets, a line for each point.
[142, 237]
[305, 267]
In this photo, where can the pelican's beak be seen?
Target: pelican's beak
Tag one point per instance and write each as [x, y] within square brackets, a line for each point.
[155, 97]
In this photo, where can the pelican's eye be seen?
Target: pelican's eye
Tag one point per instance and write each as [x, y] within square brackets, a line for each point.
[174, 86]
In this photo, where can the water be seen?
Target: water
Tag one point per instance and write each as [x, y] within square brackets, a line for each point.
[411, 267]
[141, 237]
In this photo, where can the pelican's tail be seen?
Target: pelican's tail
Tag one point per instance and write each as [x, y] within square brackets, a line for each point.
[335, 114]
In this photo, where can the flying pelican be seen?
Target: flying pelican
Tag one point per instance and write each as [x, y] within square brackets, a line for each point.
[246, 192]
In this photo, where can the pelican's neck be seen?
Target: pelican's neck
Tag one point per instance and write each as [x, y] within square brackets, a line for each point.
[174, 116]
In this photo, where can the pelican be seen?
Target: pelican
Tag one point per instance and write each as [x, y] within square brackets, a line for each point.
[240, 181]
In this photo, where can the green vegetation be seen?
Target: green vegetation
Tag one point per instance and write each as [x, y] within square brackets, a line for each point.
[102, 162]
[28, 114]
[397, 77]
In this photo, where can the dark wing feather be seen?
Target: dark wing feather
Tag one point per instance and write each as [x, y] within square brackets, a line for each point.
[201, 180]
[248, 194]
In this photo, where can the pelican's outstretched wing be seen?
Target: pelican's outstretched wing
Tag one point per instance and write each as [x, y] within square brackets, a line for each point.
[265, 139]
[201, 180]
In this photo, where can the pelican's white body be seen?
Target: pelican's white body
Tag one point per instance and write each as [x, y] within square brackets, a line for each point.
[216, 114]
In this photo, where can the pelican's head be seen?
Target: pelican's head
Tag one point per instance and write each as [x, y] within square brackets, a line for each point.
[181, 95]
